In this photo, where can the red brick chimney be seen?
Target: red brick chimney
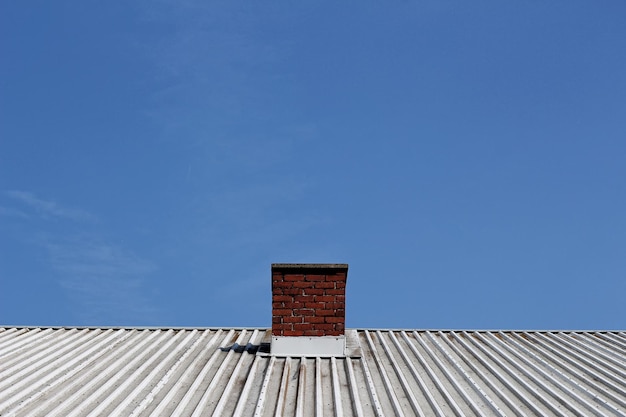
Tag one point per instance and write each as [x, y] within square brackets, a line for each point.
[308, 301]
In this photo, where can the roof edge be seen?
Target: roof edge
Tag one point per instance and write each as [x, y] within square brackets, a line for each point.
[358, 329]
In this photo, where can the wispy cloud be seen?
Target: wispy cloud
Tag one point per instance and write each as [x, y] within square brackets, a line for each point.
[107, 282]
[47, 208]
[217, 58]
[12, 212]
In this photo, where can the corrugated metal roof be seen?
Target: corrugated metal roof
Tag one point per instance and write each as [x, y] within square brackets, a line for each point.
[222, 372]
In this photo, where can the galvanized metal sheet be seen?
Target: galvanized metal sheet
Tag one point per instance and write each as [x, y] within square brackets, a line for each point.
[224, 372]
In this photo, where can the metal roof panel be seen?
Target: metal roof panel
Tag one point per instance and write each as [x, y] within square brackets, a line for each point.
[192, 372]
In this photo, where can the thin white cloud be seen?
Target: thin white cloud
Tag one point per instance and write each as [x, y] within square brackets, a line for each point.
[256, 214]
[106, 281]
[46, 208]
[214, 57]
[12, 212]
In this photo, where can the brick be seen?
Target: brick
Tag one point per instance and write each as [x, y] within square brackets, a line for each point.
[281, 312]
[336, 277]
[333, 333]
[325, 284]
[334, 306]
[279, 319]
[282, 327]
[294, 277]
[281, 284]
[330, 319]
[335, 292]
[306, 326]
[313, 319]
[304, 312]
[277, 298]
[315, 277]
[340, 298]
[313, 333]
[340, 285]
[324, 312]
[292, 319]
[326, 298]
[315, 305]
[325, 326]
[292, 333]
[314, 291]
[340, 327]
[292, 291]
[293, 305]
[303, 284]
[304, 298]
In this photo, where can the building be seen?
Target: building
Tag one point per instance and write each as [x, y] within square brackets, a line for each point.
[308, 364]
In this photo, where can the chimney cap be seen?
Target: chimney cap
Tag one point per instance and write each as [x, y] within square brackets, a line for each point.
[283, 267]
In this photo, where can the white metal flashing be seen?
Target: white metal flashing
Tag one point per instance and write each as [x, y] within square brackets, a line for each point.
[318, 346]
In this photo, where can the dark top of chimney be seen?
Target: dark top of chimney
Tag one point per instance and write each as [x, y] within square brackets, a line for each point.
[287, 267]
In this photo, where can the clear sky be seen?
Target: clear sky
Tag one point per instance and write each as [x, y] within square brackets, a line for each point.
[466, 159]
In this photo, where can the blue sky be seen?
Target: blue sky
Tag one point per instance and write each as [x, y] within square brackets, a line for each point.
[466, 159]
